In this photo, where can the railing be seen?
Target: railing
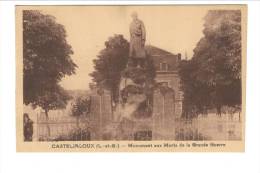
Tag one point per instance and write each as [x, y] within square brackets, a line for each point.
[61, 128]
[210, 127]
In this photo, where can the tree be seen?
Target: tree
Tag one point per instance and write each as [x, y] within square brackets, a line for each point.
[212, 78]
[80, 107]
[46, 60]
[109, 64]
[196, 94]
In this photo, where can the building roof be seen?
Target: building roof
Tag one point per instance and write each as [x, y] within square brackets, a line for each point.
[152, 50]
[162, 58]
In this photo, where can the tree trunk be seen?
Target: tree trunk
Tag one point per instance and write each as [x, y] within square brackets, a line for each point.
[100, 116]
[219, 110]
[77, 121]
[163, 107]
[47, 123]
[112, 105]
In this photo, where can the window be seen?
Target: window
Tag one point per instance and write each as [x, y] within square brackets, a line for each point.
[163, 66]
[165, 84]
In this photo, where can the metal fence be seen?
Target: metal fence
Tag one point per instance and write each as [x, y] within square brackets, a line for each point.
[209, 127]
[60, 128]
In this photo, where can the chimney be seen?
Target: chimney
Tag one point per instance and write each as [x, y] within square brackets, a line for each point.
[179, 56]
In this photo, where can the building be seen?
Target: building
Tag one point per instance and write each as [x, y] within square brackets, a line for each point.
[166, 65]
[167, 107]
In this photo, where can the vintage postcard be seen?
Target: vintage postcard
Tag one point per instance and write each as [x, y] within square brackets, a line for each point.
[131, 78]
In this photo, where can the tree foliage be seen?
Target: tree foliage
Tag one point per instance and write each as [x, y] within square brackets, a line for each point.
[81, 106]
[109, 64]
[46, 60]
[212, 78]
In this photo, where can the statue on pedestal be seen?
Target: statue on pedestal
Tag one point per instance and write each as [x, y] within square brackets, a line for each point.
[137, 41]
[134, 92]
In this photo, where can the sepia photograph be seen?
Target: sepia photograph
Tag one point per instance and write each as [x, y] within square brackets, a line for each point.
[131, 78]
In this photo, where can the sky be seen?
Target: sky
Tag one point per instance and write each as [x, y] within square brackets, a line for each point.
[176, 29]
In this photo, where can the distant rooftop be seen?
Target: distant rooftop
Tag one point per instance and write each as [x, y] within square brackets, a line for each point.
[152, 50]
